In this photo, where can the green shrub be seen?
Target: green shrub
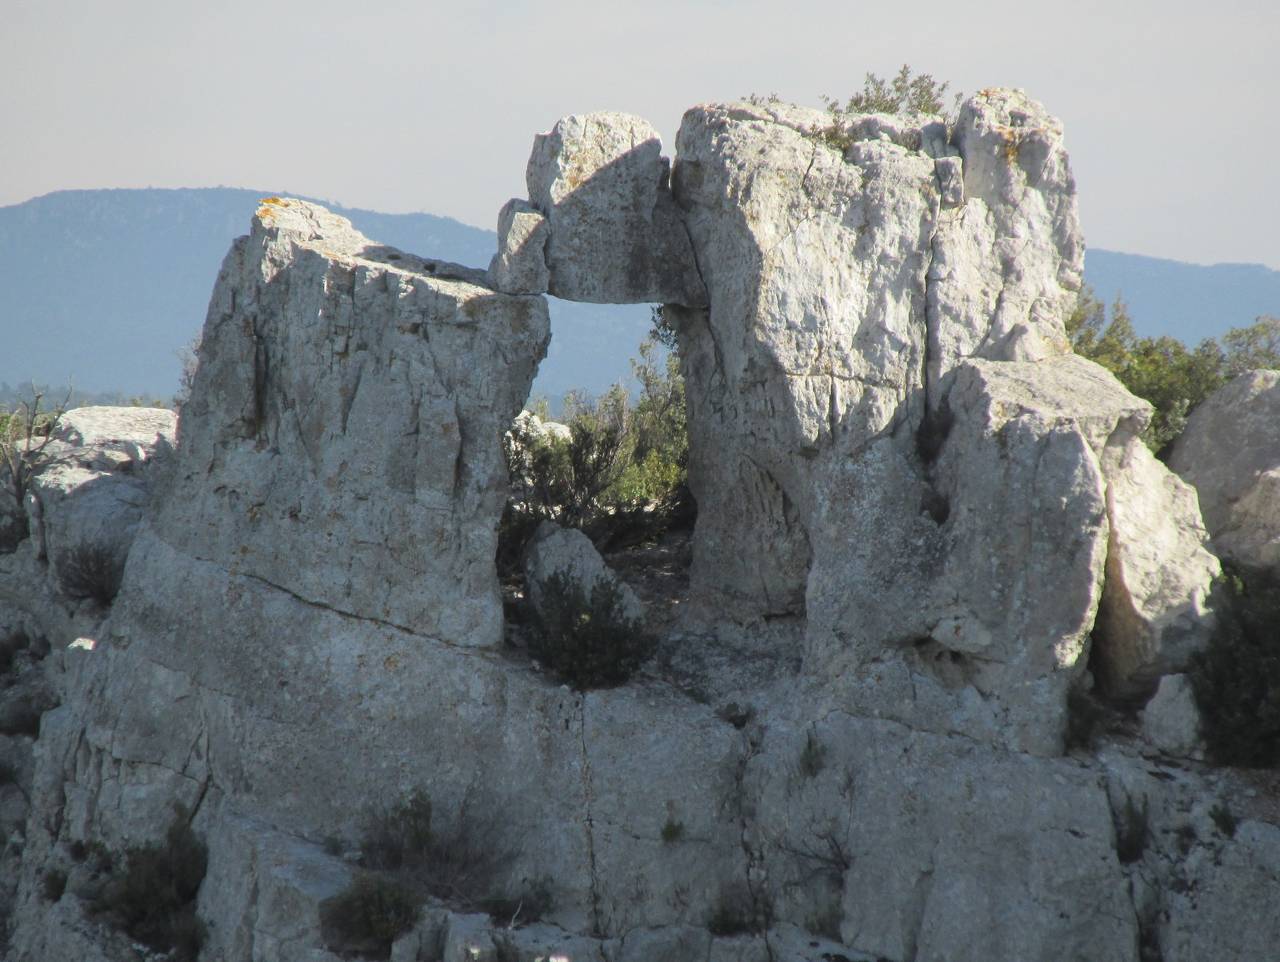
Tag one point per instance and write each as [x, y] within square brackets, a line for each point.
[813, 757]
[1224, 819]
[1162, 370]
[10, 645]
[589, 641]
[399, 837]
[461, 862]
[622, 466]
[368, 916]
[1236, 680]
[1132, 831]
[672, 831]
[905, 93]
[153, 897]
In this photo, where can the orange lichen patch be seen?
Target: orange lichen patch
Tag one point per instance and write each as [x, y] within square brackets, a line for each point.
[264, 207]
[1012, 138]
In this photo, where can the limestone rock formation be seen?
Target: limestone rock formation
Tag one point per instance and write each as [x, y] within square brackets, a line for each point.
[615, 236]
[882, 374]
[320, 346]
[1230, 452]
[921, 522]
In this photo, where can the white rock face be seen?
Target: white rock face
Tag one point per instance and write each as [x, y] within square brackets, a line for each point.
[520, 266]
[568, 552]
[1230, 453]
[615, 236]
[342, 417]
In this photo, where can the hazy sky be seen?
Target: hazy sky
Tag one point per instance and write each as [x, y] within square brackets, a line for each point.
[405, 105]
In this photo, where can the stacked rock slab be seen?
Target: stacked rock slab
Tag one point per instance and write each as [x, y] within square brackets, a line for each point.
[601, 215]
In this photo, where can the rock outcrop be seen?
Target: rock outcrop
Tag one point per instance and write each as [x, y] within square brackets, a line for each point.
[922, 521]
[1230, 452]
[881, 375]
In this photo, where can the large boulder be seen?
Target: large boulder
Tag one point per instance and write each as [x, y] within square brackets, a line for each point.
[614, 234]
[1230, 452]
[567, 553]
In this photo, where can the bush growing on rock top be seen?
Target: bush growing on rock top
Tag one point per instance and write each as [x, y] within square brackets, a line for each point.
[587, 638]
[906, 93]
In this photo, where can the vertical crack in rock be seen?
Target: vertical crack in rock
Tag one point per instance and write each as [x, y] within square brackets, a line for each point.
[588, 820]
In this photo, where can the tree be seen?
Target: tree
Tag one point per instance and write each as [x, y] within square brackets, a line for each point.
[905, 93]
[1163, 370]
[25, 434]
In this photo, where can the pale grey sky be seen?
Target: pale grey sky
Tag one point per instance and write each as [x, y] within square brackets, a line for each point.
[402, 105]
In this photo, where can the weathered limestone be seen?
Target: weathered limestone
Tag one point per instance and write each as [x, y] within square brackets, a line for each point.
[342, 416]
[615, 235]
[941, 521]
[1006, 264]
[843, 288]
[520, 266]
[1230, 452]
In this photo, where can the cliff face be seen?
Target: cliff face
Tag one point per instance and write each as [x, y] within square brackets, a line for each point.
[922, 525]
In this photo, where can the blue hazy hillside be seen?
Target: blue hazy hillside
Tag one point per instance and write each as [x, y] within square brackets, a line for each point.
[1187, 301]
[101, 288]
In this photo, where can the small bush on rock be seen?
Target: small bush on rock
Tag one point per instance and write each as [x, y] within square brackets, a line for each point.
[368, 916]
[589, 641]
[90, 571]
[52, 884]
[461, 863]
[153, 897]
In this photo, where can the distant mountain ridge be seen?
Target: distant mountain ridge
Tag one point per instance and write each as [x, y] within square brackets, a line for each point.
[101, 288]
[1186, 301]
